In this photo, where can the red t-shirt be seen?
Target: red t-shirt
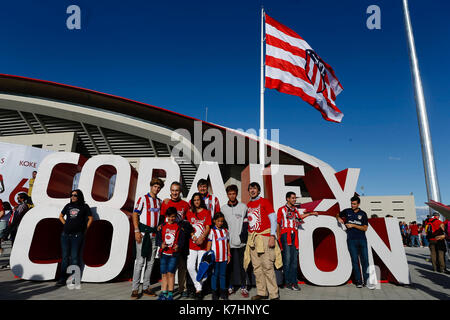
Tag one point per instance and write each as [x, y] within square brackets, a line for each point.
[199, 223]
[181, 206]
[1, 205]
[414, 229]
[435, 225]
[169, 235]
[258, 215]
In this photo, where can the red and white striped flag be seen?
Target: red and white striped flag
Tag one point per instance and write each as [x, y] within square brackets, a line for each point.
[294, 68]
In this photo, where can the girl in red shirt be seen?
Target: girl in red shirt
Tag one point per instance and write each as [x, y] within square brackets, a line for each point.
[200, 219]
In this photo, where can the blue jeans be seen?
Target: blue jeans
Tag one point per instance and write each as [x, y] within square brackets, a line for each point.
[290, 259]
[219, 272]
[416, 240]
[358, 249]
[168, 263]
[70, 245]
[424, 241]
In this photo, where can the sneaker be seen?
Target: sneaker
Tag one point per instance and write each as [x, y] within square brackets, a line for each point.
[258, 297]
[295, 287]
[198, 295]
[214, 295]
[230, 291]
[162, 296]
[185, 294]
[61, 282]
[169, 298]
[135, 294]
[149, 292]
[277, 298]
[359, 285]
[224, 294]
[371, 286]
[244, 292]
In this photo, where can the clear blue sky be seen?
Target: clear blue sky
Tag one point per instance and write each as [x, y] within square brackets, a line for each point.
[188, 55]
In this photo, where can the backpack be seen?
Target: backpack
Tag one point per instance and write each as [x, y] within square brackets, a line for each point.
[429, 229]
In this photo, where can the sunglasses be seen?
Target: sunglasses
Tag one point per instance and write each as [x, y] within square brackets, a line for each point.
[74, 195]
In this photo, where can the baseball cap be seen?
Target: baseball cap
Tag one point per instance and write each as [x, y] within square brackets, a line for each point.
[436, 214]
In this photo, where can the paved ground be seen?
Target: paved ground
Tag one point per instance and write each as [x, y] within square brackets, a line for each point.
[425, 285]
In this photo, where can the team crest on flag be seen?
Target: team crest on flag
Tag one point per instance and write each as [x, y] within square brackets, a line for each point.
[315, 70]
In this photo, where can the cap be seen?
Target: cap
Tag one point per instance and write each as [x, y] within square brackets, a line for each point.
[436, 214]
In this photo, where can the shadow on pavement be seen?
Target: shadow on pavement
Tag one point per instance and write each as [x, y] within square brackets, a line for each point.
[19, 289]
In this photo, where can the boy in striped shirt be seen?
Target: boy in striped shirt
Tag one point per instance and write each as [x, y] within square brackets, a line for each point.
[146, 215]
[211, 201]
[219, 242]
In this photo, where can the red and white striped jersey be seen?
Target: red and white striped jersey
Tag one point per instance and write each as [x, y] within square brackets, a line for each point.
[148, 209]
[288, 218]
[220, 239]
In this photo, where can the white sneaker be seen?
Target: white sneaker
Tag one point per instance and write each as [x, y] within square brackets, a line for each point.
[371, 286]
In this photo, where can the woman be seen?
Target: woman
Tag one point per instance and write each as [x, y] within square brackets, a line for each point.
[76, 218]
[5, 214]
[200, 219]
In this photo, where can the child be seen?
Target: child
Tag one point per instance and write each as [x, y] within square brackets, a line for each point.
[219, 242]
[170, 240]
[200, 219]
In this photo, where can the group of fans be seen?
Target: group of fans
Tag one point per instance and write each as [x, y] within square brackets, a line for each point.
[210, 246]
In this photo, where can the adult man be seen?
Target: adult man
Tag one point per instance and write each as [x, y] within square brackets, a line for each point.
[414, 234]
[289, 219]
[30, 187]
[262, 248]
[356, 223]
[182, 208]
[235, 214]
[17, 215]
[145, 220]
[211, 201]
[436, 237]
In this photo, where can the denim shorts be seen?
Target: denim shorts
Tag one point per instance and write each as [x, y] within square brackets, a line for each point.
[168, 263]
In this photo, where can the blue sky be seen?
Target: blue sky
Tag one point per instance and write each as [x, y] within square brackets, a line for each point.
[185, 56]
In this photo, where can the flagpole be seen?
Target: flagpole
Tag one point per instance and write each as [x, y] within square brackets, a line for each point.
[431, 180]
[261, 108]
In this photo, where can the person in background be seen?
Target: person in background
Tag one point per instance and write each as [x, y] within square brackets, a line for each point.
[5, 214]
[447, 236]
[145, 221]
[414, 234]
[421, 235]
[200, 219]
[17, 215]
[289, 219]
[436, 238]
[403, 232]
[2, 185]
[356, 223]
[76, 216]
[170, 240]
[30, 187]
[182, 208]
[211, 201]
[219, 243]
[235, 213]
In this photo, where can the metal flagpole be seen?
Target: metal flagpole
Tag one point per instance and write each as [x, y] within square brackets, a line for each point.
[261, 109]
[425, 136]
